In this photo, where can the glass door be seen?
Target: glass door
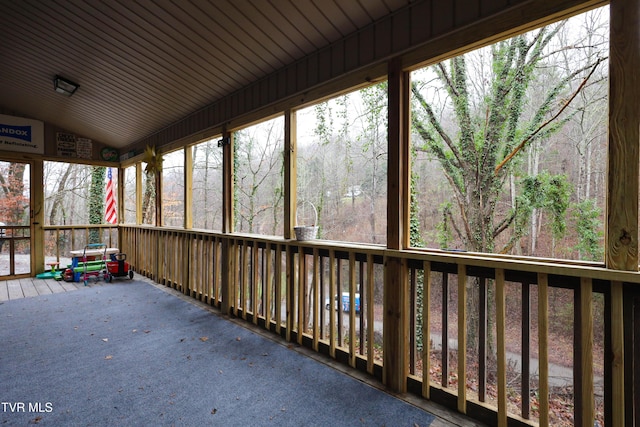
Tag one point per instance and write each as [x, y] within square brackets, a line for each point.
[15, 220]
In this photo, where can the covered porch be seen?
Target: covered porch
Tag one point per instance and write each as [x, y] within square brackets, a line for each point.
[391, 315]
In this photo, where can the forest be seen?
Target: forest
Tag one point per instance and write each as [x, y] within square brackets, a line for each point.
[508, 156]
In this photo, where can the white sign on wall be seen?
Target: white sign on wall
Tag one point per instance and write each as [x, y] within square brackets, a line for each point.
[20, 134]
[69, 145]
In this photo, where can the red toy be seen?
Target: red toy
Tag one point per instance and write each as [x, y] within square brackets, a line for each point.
[118, 267]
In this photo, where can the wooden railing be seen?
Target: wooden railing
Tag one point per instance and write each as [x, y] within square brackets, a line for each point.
[16, 240]
[59, 240]
[470, 307]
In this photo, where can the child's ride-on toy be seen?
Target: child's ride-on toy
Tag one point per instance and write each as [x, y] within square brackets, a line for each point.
[118, 267]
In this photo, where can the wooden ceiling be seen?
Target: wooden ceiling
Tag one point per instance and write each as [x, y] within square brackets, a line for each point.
[142, 65]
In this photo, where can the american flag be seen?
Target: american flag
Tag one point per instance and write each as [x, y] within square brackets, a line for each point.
[110, 213]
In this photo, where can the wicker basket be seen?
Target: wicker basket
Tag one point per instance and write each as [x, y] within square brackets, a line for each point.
[306, 232]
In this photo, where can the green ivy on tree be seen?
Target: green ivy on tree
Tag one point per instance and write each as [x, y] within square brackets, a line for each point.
[96, 201]
[589, 229]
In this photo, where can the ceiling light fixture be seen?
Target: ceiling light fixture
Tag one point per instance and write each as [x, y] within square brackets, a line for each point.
[64, 86]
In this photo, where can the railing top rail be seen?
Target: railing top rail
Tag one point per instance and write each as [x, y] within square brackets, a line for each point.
[533, 265]
[77, 226]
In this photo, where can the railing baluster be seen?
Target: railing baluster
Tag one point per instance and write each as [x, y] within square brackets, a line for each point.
[201, 281]
[333, 289]
[316, 297]
[584, 324]
[352, 309]
[268, 297]
[338, 301]
[290, 292]
[633, 390]
[278, 288]
[426, 330]
[525, 389]
[323, 296]
[445, 330]
[302, 292]
[236, 276]
[370, 314]
[363, 293]
[502, 347]
[413, 292]
[262, 282]
[543, 349]
[482, 339]
[217, 267]
[186, 272]
[617, 372]
[57, 246]
[244, 283]
[198, 279]
[255, 268]
[462, 338]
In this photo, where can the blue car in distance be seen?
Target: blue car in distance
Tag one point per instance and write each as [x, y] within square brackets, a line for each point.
[344, 301]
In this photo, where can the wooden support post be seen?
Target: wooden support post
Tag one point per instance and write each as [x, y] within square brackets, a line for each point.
[227, 182]
[290, 173]
[396, 324]
[290, 201]
[623, 170]
[37, 217]
[624, 136]
[120, 203]
[228, 246]
[138, 193]
[158, 183]
[399, 168]
[188, 186]
[396, 283]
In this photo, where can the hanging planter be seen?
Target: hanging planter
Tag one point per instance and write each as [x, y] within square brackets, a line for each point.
[307, 232]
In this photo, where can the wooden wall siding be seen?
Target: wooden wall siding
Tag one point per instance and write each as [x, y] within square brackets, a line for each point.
[425, 29]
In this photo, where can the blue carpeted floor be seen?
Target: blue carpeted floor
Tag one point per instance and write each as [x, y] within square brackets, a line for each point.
[129, 354]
